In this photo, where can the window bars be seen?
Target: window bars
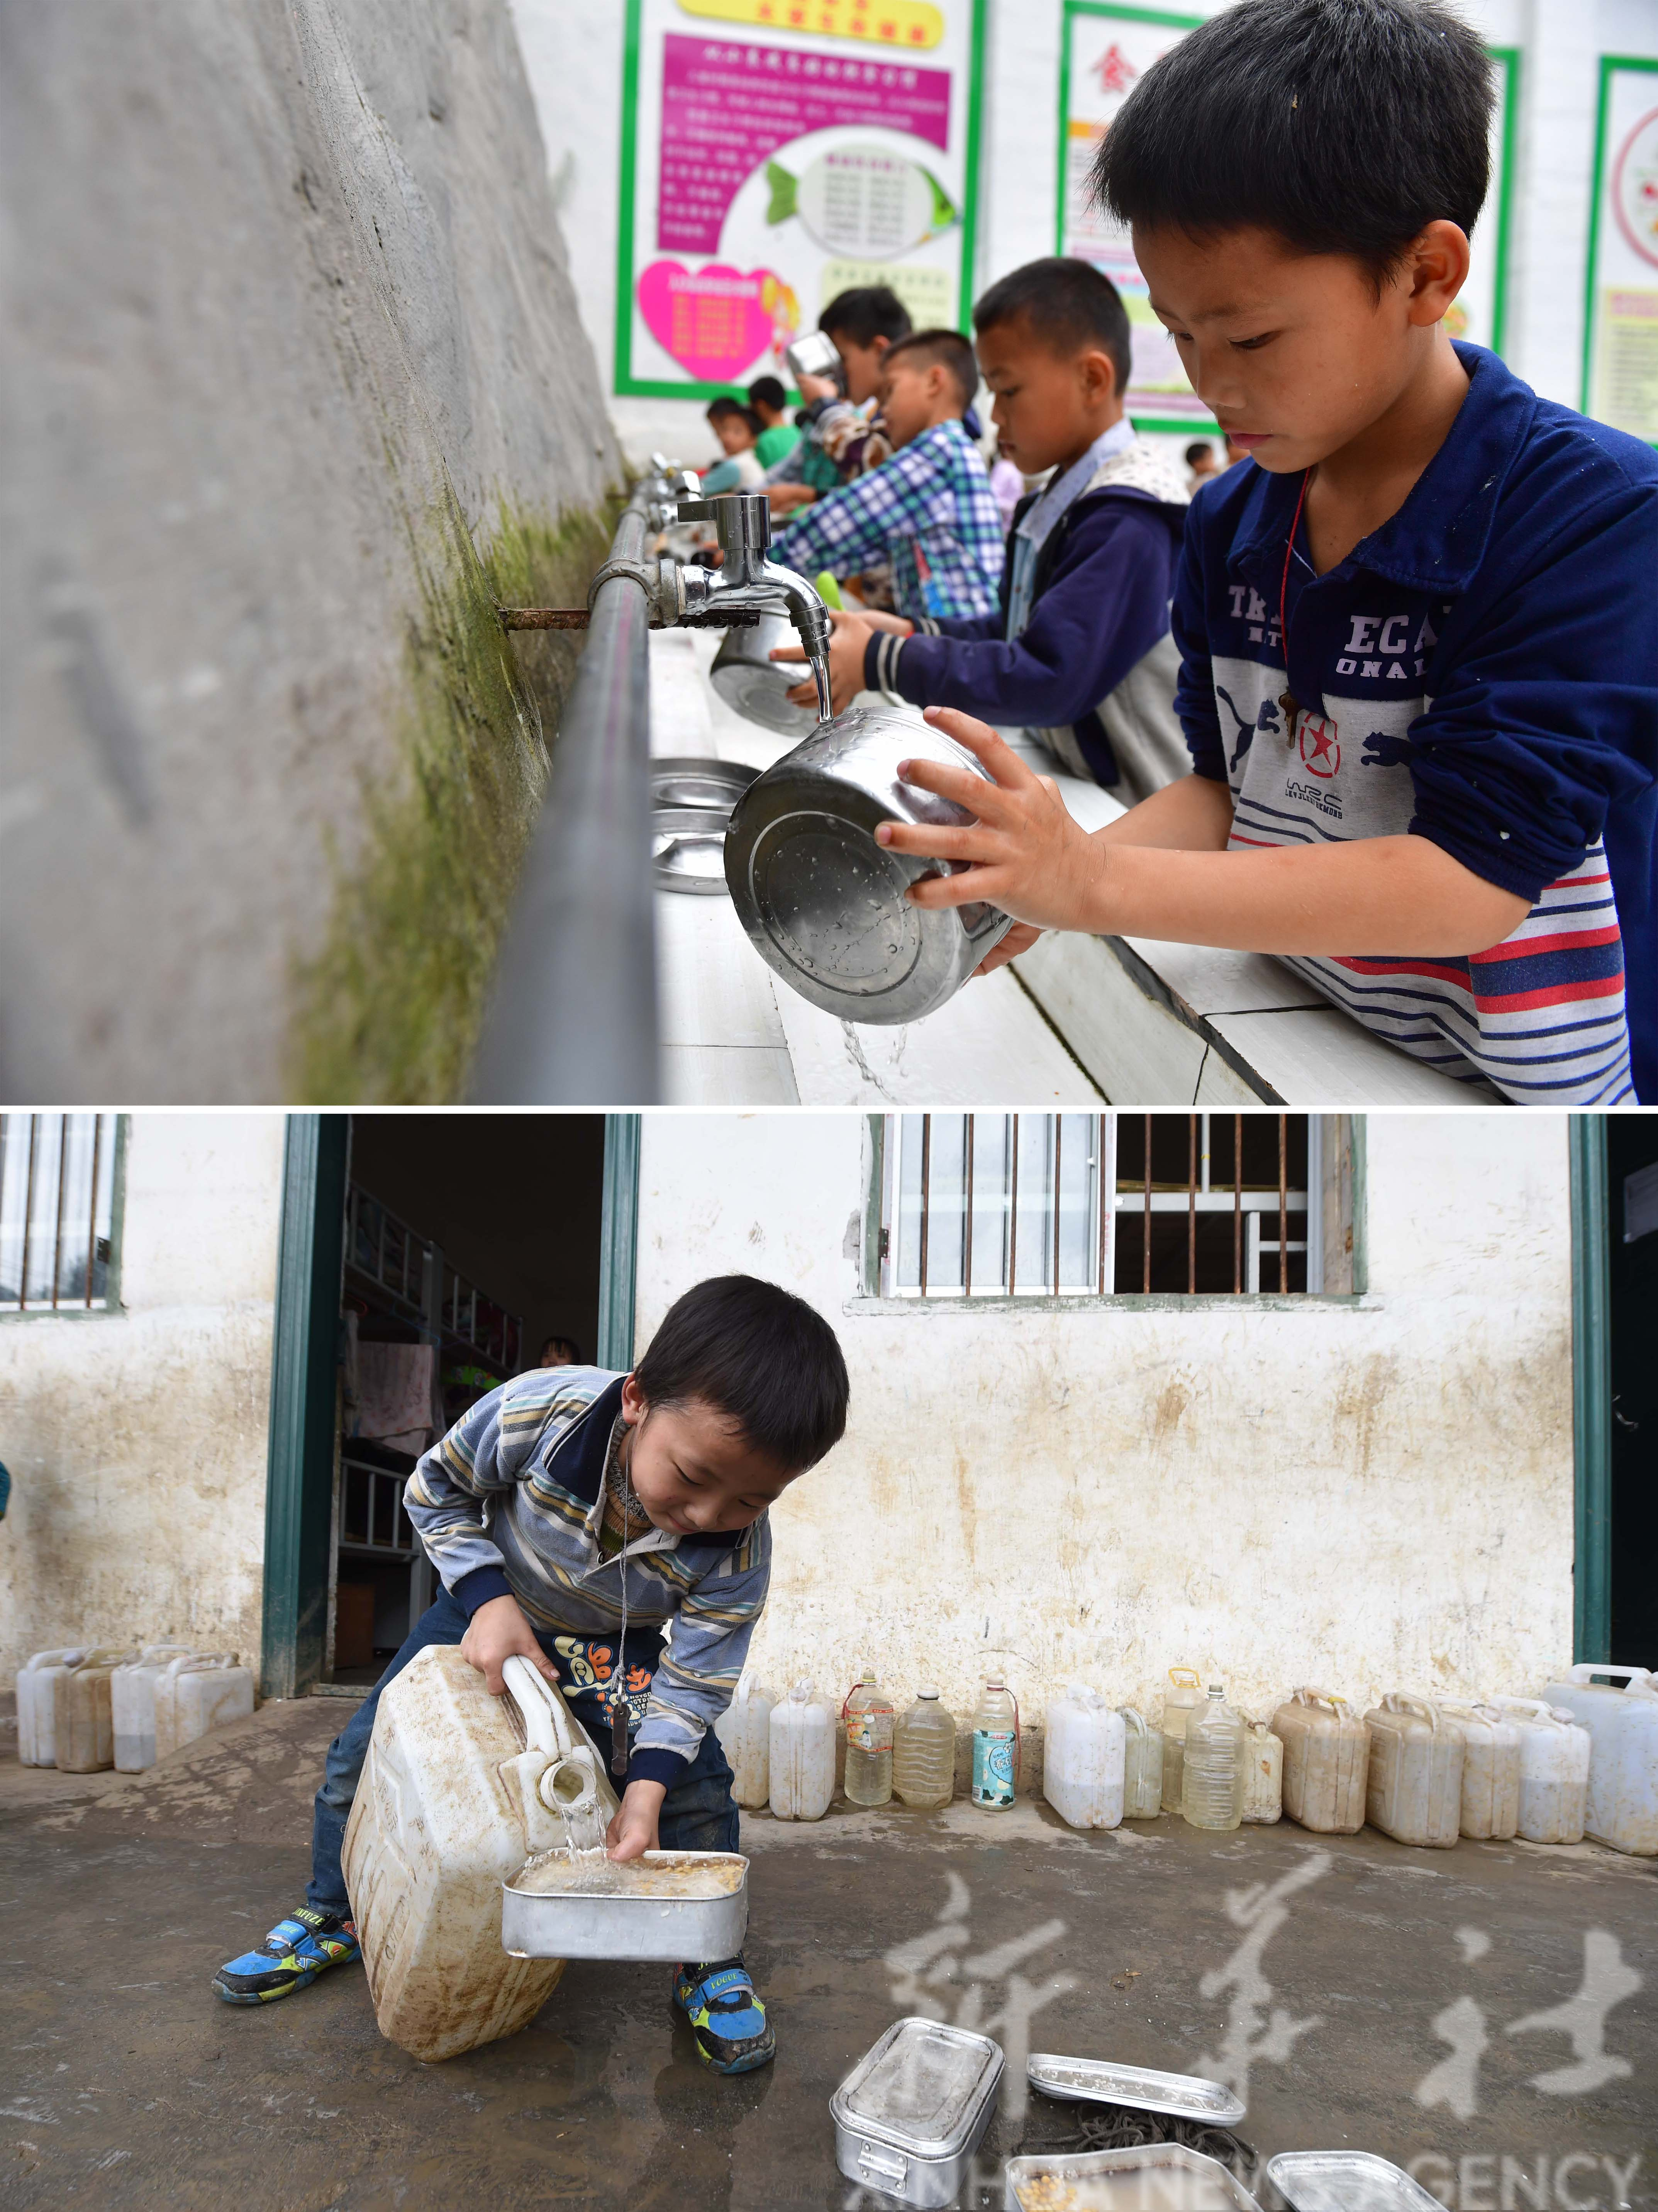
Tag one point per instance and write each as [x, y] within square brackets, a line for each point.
[57, 1204]
[1100, 1205]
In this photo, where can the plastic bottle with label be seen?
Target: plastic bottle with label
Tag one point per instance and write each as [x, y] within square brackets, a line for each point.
[869, 1717]
[924, 1752]
[1142, 1770]
[995, 1746]
[745, 1733]
[1214, 1767]
[1185, 1694]
[1263, 1788]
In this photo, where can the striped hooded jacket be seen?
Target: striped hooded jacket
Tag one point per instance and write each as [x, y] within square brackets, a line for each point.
[511, 1501]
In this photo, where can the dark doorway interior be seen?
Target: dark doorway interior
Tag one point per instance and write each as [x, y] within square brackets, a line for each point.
[470, 1239]
[1632, 1241]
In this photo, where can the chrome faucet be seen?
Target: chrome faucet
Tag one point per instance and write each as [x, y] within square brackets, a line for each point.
[665, 484]
[747, 584]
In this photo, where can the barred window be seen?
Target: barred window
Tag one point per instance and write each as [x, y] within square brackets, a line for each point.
[57, 1208]
[1100, 1205]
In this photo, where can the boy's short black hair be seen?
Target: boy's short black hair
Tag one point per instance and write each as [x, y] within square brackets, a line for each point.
[1345, 126]
[1196, 450]
[716, 408]
[767, 392]
[950, 350]
[757, 1353]
[1066, 304]
[567, 1348]
[866, 313]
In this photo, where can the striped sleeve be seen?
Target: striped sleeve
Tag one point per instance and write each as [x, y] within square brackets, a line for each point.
[450, 1496]
[707, 1645]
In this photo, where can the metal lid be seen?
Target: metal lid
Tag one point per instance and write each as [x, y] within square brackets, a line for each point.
[923, 2088]
[1345, 2181]
[691, 801]
[755, 685]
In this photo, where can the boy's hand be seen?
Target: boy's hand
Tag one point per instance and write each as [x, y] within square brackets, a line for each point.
[1019, 939]
[497, 1630]
[634, 1829]
[1030, 857]
[784, 498]
[849, 635]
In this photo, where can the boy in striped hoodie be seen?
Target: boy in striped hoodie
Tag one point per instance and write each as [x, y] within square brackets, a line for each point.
[548, 1496]
[1420, 665]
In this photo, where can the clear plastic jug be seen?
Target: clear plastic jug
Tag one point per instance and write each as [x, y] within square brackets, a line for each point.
[1621, 1715]
[924, 1752]
[1185, 1693]
[1491, 1769]
[1554, 1770]
[1214, 1775]
[37, 1737]
[459, 1789]
[1326, 1762]
[132, 1705]
[802, 1755]
[1084, 1759]
[996, 1747]
[1415, 1793]
[745, 1732]
[1263, 1767]
[869, 1720]
[82, 1723]
[1142, 1769]
[205, 1690]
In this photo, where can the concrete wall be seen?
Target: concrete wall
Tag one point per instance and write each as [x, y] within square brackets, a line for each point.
[577, 84]
[1366, 1498]
[137, 1438]
[295, 389]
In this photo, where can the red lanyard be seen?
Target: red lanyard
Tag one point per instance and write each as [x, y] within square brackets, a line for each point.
[1288, 701]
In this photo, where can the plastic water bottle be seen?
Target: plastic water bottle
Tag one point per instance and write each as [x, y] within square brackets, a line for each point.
[869, 1716]
[924, 1752]
[995, 1746]
[1214, 1773]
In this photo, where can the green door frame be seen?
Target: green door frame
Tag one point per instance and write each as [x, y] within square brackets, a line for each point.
[1591, 1360]
[618, 1247]
[299, 1498]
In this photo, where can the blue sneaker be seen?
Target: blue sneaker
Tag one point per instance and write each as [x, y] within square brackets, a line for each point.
[292, 1956]
[728, 2020]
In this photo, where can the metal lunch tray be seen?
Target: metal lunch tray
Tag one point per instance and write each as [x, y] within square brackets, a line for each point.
[1096, 2080]
[691, 802]
[1346, 2181]
[914, 2110]
[567, 1924]
[1079, 2165]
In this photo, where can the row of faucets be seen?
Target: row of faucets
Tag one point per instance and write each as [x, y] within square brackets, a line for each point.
[746, 585]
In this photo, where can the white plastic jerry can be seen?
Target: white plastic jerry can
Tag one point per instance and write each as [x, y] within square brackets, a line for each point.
[1084, 1759]
[1622, 1726]
[1491, 1769]
[132, 1705]
[37, 1743]
[459, 1789]
[82, 1723]
[1554, 1770]
[1263, 1776]
[203, 1690]
[1415, 1789]
[1326, 1762]
[802, 1755]
[745, 1733]
[1142, 1779]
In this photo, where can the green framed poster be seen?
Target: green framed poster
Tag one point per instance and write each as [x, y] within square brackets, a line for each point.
[1104, 49]
[1620, 315]
[776, 152]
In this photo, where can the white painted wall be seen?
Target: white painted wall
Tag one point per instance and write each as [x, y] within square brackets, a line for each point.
[1366, 1499]
[573, 58]
[137, 1438]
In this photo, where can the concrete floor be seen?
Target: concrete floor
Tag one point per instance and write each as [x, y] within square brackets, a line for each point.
[1343, 1976]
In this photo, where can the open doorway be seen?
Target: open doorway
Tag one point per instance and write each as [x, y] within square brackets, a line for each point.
[468, 1241]
[1632, 1296]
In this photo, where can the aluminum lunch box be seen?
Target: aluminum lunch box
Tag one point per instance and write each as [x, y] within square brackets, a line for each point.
[691, 801]
[914, 2110]
[1079, 2165]
[1345, 2181]
[822, 903]
[755, 685]
[1096, 2081]
[567, 1924]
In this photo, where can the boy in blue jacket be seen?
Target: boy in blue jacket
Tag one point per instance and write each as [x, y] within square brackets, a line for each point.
[1419, 667]
[1077, 647]
[543, 1499]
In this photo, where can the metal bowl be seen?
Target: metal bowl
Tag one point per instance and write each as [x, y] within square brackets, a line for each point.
[754, 685]
[822, 903]
[691, 800]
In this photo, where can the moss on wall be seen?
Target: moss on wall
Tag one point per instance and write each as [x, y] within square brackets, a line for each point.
[388, 1010]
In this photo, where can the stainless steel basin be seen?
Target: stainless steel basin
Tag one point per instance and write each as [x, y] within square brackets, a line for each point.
[822, 903]
[756, 687]
[691, 800]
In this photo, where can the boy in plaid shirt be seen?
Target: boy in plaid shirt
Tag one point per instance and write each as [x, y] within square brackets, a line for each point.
[929, 511]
